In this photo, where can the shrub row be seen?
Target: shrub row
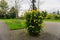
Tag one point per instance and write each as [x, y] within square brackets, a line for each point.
[53, 16]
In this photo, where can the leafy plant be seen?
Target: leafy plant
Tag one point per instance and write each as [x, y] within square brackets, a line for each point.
[44, 14]
[34, 22]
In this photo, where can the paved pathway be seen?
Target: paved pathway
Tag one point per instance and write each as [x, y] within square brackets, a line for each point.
[53, 28]
[51, 32]
[4, 31]
[50, 27]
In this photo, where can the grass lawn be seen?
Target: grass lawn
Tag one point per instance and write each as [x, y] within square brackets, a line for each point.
[50, 20]
[14, 24]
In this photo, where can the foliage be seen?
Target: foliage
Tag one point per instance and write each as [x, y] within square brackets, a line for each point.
[3, 4]
[12, 12]
[7, 16]
[34, 22]
[49, 16]
[44, 14]
[57, 16]
[3, 9]
[53, 16]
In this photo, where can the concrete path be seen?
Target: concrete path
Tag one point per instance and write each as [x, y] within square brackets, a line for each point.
[51, 32]
[53, 28]
[50, 27]
[4, 31]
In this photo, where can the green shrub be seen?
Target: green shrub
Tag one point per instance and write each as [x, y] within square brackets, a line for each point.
[34, 22]
[12, 12]
[50, 16]
[44, 14]
[53, 16]
[57, 16]
[7, 16]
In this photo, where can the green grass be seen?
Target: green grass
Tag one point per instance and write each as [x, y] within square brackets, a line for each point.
[14, 24]
[50, 20]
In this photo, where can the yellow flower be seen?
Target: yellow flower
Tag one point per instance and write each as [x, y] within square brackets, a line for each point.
[34, 20]
[34, 14]
[34, 11]
[40, 17]
[30, 26]
[33, 26]
[39, 24]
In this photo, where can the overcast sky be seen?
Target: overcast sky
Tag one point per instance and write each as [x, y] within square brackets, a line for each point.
[48, 5]
[51, 5]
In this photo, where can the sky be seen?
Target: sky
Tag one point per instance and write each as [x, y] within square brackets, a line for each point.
[49, 5]
[44, 4]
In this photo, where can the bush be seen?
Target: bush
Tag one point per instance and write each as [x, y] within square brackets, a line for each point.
[34, 22]
[12, 15]
[7, 16]
[53, 16]
[12, 12]
[44, 14]
[50, 16]
[57, 16]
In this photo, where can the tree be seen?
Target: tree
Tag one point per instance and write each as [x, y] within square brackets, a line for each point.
[16, 7]
[3, 4]
[58, 12]
[3, 7]
[0, 13]
[13, 12]
[33, 5]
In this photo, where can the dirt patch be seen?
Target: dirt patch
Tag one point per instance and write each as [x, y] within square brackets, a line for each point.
[22, 34]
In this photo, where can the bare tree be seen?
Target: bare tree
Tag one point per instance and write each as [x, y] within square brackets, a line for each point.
[16, 7]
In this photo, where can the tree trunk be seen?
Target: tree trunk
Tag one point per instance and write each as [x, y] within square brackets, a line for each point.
[33, 5]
